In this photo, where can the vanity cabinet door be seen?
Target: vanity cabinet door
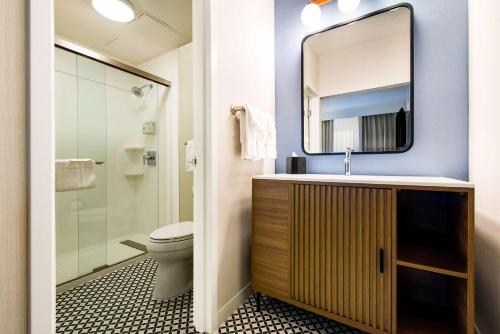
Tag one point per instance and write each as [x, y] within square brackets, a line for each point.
[271, 238]
[341, 252]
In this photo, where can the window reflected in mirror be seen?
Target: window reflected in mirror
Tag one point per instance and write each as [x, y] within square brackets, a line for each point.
[357, 86]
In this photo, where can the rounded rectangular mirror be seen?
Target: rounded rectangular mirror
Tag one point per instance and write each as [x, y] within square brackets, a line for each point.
[357, 85]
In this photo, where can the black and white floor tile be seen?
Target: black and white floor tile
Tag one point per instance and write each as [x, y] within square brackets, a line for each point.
[278, 317]
[121, 303]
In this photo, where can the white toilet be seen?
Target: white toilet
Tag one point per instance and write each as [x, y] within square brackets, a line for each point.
[172, 247]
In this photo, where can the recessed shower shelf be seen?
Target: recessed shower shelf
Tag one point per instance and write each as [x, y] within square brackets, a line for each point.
[134, 172]
[134, 147]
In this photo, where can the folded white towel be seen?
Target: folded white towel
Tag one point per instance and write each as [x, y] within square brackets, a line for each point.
[75, 174]
[257, 135]
[190, 156]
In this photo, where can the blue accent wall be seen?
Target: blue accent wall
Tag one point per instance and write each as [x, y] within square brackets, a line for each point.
[441, 90]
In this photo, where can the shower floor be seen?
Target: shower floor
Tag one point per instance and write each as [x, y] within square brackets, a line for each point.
[78, 263]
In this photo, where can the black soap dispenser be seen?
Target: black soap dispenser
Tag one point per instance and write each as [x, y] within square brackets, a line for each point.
[295, 164]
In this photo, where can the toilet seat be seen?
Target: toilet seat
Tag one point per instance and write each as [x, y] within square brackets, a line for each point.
[181, 233]
[167, 247]
[170, 240]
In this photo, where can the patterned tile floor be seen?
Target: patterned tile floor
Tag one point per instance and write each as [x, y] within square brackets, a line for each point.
[280, 318]
[120, 303]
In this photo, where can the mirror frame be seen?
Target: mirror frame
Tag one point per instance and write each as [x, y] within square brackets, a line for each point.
[412, 77]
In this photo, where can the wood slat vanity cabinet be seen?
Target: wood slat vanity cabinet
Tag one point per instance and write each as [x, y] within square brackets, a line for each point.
[383, 258]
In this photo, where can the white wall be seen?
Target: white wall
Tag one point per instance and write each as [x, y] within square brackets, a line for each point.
[311, 69]
[185, 130]
[374, 65]
[315, 139]
[176, 66]
[484, 156]
[312, 126]
[243, 45]
[167, 67]
[311, 89]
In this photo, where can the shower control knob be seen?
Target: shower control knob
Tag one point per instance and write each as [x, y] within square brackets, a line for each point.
[149, 158]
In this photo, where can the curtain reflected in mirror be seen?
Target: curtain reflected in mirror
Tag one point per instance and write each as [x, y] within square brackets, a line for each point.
[357, 86]
[372, 128]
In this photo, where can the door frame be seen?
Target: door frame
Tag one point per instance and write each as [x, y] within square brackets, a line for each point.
[205, 176]
[40, 71]
[42, 279]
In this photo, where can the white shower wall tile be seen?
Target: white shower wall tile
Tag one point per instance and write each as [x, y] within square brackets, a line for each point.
[90, 69]
[65, 61]
[167, 66]
[136, 196]
[123, 80]
[66, 122]
[66, 208]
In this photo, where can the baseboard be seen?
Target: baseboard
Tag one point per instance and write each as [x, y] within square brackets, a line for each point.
[238, 299]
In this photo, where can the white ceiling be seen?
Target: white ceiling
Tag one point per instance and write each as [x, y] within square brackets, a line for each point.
[375, 28]
[160, 26]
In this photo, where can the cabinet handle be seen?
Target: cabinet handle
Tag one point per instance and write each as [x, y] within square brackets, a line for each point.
[381, 260]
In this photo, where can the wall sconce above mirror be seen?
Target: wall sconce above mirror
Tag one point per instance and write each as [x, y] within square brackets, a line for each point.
[311, 14]
[357, 85]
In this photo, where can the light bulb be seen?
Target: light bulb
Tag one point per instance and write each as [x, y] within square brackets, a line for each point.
[311, 15]
[348, 6]
[116, 10]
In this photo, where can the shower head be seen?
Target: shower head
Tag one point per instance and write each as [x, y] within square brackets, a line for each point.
[139, 91]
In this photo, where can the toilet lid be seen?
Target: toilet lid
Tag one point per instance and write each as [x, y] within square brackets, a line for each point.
[173, 232]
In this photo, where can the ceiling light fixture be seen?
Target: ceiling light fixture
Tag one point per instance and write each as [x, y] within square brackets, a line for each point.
[116, 10]
[348, 6]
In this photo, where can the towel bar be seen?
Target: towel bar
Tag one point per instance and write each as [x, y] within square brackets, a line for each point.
[236, 109]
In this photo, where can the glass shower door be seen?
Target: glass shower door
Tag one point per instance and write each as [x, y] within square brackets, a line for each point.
[66, 148]
[80, 104]
[92, 203]
[111, 117]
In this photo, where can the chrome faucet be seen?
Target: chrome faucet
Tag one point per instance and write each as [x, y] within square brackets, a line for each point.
[347, 161]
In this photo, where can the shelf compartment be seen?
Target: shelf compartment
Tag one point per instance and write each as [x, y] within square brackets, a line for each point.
[430, 303]
[419, 318]
[432, 231]
[432, 254]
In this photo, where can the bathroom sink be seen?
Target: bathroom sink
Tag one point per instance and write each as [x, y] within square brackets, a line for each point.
[427, 181]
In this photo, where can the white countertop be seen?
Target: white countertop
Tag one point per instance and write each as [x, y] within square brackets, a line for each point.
[424, 181]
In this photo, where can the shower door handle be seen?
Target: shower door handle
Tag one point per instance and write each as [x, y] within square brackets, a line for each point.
[149, 158]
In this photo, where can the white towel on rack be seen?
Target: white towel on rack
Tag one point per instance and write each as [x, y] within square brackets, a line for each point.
[257, 134]
[190, 156]
[75, 174]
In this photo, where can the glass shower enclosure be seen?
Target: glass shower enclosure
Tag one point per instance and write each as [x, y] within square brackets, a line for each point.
[110, 116]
